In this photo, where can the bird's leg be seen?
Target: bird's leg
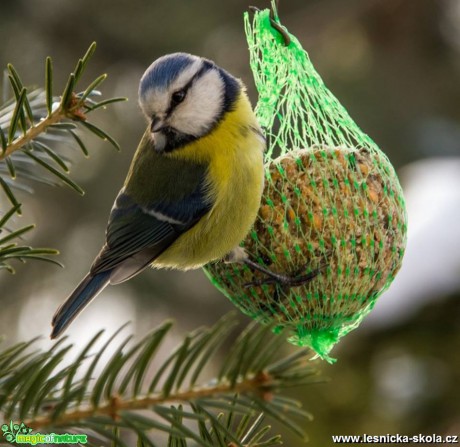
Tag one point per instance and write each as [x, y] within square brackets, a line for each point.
[280, 279]
[239, 255]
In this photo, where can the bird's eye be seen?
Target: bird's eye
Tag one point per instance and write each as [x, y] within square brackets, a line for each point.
[178, 97]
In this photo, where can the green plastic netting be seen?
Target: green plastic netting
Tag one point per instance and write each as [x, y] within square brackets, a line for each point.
[332, 200]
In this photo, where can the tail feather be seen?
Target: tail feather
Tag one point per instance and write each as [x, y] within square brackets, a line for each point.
[86, 291]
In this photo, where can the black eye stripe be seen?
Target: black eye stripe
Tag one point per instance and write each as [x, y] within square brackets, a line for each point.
[204, 68]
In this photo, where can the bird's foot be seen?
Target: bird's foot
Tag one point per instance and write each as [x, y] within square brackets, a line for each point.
[286, 281]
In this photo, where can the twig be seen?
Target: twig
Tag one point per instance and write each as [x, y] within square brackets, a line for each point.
[33, 132]
[112, 408]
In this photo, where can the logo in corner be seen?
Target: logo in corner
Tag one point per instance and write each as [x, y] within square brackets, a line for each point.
[22, 434]
[11, 431]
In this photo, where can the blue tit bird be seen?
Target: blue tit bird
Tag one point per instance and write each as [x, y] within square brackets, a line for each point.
[195, 183]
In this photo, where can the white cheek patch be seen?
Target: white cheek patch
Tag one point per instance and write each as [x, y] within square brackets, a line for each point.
[154, 102]
[202, 106]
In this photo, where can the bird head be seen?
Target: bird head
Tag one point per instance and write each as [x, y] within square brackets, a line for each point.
[184, 97]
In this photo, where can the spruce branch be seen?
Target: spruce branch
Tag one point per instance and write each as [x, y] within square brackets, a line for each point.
[36, 131]
[33, 119]
[139, 392]
[32, 132]
[10, 248]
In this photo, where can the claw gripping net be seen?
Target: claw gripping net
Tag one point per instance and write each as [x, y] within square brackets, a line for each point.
[332, 203]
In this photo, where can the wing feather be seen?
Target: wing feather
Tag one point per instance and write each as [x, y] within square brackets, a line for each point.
[137, 235]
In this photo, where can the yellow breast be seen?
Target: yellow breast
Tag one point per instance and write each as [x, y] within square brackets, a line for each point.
[234, 153]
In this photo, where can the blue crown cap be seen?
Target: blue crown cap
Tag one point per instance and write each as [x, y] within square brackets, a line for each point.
[164, 71]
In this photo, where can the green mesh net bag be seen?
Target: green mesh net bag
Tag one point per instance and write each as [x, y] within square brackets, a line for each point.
[332, 201]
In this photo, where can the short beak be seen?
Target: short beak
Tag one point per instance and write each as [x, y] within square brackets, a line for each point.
[157, 124]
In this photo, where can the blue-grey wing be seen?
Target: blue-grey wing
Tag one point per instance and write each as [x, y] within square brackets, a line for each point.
[136, 235]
